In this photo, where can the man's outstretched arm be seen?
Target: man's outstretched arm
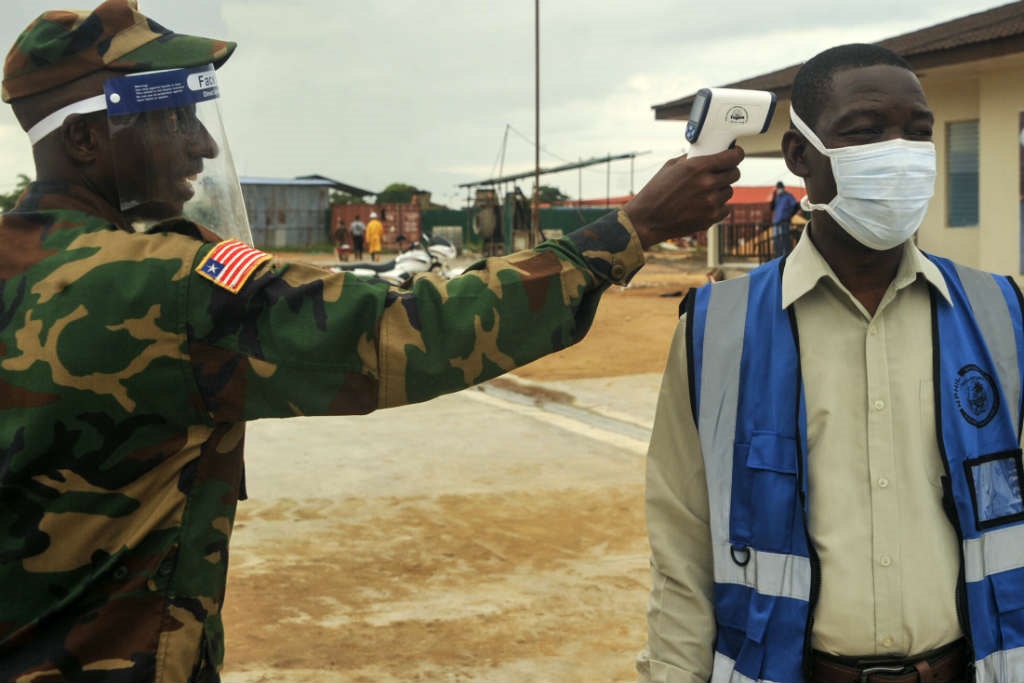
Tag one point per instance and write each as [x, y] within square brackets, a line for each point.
[301, 340]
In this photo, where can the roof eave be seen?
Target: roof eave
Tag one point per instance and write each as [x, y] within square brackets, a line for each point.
[679, 110]
[338, 185]
[990, 49]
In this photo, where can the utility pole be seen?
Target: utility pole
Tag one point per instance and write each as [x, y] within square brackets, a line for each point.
[608, 184]
[579, 184]
[535, 213]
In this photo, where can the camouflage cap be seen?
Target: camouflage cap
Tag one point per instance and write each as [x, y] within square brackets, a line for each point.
[64, 45]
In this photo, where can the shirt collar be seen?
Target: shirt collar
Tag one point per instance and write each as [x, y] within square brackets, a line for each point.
[806, 267]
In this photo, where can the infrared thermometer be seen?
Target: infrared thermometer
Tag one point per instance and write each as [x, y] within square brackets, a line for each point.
[720, 115]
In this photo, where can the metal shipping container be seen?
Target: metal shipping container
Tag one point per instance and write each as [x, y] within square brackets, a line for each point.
[290, 213]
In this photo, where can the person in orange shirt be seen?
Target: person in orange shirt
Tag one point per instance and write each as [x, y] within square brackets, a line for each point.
[374, 236]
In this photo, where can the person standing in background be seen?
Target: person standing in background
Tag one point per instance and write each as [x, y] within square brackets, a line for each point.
[358, 231]
[339, 240]
[374, 236]
[784, 207]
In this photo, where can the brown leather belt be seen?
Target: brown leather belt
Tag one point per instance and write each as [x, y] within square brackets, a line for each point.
[949, 664]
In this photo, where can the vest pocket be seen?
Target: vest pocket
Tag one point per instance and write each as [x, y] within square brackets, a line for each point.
[1006, 590]
[742, 629]
[741, 615]
[1009, 603]
[765, 501]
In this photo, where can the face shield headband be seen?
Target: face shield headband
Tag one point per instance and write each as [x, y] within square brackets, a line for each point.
[55, 120]
[170, 154]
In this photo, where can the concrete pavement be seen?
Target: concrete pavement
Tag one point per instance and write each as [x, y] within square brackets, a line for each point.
[488, 535]
[461, 443]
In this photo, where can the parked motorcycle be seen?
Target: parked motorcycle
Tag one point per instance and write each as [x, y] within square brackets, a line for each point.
[431, 254]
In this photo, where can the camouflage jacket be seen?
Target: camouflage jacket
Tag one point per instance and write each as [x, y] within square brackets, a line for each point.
[125, 382]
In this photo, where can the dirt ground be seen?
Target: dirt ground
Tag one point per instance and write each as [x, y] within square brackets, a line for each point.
[633, 327]
[516, 573]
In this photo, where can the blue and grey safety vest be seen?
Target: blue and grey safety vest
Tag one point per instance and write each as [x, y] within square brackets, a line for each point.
[755, 454]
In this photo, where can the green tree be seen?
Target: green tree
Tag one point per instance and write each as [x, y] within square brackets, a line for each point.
[550, 195]
[339, 197]
[397, 193]
[7, 201]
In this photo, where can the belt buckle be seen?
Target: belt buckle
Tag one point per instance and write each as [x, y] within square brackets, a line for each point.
[872, 670]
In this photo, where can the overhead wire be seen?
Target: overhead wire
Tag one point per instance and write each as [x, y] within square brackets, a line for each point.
[530, 142]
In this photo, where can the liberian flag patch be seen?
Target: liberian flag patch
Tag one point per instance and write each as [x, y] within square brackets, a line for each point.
[230, 264]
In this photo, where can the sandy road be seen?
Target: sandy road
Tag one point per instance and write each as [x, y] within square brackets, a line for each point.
[481, 536]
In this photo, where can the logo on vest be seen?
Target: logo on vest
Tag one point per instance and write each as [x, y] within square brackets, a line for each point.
[976, 395]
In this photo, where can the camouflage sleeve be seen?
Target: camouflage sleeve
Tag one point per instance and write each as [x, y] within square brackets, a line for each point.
[299, 340]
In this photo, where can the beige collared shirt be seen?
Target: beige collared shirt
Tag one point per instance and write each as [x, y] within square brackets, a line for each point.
[889, 555]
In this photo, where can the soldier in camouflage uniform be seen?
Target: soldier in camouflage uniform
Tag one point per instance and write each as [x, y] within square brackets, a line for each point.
[126, 376]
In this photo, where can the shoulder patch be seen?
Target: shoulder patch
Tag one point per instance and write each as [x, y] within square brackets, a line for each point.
[230, 264]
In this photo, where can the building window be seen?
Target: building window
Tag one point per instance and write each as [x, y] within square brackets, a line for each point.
[962, 173]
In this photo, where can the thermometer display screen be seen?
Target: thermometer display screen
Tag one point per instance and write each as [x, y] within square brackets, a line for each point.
[700, 105]
[698, 112]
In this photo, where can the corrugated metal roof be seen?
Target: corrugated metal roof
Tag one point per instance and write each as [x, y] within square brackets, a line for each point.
[288, 182]
[741, 194]
[998, 23]
[307, 181]
[344, 187]
[994, 32]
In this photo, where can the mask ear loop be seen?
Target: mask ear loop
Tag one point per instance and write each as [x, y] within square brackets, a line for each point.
[55, 120]
[805, 130]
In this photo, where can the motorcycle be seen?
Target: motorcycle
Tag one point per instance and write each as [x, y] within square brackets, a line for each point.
[430, 254]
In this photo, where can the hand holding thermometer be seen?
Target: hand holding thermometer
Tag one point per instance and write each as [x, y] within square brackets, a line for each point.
[720, 115]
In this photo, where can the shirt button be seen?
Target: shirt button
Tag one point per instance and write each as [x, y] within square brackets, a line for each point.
[872, 330]
[885, 560]
[879, 405]
[887, 641]
[618, 271]
[883, 483]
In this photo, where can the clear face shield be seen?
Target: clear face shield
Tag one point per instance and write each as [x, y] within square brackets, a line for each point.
[171, 157]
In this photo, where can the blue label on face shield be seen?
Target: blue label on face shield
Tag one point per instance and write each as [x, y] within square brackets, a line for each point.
[161, 90]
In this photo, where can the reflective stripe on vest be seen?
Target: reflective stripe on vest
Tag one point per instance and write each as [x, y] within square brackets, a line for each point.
[978, 412]
[724, 671]
[763, 573]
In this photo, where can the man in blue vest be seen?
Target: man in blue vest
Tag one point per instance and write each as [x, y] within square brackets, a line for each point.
[834, 478]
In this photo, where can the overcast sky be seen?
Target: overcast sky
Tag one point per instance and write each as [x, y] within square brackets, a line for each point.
[371, 93]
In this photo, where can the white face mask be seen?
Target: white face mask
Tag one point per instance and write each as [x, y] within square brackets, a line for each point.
[882, 188]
